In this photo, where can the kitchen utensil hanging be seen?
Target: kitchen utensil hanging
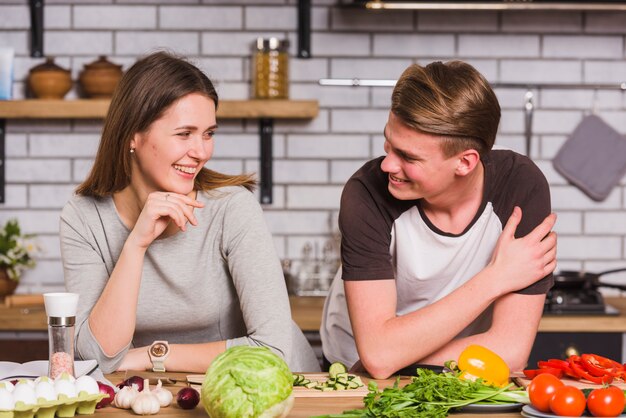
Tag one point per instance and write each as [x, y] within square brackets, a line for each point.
[528, 120]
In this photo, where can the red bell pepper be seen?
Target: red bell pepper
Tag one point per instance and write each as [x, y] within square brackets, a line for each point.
[576, 364]
[601, 366]
[531, 373]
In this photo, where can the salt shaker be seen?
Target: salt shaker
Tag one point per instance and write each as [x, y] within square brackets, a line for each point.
[61, 312]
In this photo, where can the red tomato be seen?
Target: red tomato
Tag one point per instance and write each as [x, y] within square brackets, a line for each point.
[568, 401]
[541, 389]
[606, 402]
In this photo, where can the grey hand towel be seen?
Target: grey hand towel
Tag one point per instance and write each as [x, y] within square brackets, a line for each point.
[593, 158]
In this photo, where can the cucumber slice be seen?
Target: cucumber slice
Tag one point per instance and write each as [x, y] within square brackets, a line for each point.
[336, 368]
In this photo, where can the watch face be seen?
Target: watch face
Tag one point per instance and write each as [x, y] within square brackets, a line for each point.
[158, 349]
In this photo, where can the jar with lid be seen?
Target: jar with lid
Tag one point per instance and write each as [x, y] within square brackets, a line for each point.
[270, 69]
[49, 80]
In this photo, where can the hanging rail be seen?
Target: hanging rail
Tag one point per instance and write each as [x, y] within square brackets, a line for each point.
[362, 82]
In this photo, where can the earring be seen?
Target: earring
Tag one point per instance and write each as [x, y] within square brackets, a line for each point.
[132, 150]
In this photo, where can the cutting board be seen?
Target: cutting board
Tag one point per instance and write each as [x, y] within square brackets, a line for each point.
[302, 392]
[521, 380]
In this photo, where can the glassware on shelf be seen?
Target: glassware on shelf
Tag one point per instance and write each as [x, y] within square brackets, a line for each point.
[270, 69]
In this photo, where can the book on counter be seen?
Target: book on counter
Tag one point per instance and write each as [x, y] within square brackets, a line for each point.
[34, 369]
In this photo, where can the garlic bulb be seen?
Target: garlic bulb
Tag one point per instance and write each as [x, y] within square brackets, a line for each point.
[146, 403]
[125, 397]
[163, 395]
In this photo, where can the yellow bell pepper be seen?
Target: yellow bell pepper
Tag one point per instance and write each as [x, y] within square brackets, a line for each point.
[479, 362]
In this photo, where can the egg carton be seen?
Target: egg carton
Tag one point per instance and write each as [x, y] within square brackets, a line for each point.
[64, 407]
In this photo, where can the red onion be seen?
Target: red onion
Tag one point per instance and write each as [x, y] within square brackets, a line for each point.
[187, 398]
[104, 388]
[133, 380]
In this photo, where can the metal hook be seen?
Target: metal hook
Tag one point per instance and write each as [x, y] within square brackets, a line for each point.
[528, 118]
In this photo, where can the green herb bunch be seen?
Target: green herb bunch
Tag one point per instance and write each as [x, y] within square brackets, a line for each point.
[16, 250]
[431, 395]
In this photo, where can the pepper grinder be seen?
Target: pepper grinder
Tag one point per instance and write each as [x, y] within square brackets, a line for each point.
[61, 312]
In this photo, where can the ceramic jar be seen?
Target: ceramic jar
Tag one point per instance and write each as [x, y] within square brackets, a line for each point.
[100, 78]
[49, 81]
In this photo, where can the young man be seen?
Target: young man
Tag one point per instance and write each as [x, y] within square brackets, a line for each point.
[445, 242]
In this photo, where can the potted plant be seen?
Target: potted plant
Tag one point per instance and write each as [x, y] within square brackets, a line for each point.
[16, 254]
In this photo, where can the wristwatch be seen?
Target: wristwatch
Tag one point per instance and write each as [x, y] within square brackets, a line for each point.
[158, 351]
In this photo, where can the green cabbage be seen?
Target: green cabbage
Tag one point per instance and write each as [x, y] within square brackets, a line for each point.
[247, 382]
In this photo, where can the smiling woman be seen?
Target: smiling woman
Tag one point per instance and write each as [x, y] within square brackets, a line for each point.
[163, 250]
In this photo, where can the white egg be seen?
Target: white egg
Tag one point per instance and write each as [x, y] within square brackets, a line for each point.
[24, 392]
[42, 378]
[6, 400]
[5, 384]
[87, 384]
[65, 387]
[45, 389]
[66, 376]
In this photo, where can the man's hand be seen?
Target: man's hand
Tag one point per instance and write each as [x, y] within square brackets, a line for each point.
[520, 262]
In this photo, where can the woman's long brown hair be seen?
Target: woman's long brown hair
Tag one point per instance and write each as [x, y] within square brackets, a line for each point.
[142, 96]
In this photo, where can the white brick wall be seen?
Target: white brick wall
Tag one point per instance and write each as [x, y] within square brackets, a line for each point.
[46, 159]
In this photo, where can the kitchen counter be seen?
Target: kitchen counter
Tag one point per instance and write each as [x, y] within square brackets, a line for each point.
[303, 407]
[307, 313]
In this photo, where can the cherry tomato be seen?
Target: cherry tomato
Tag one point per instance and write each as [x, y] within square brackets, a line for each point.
[606, 402]
[568, 401]
[541, 389]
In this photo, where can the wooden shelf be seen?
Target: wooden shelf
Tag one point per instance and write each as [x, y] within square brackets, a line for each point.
[97, 108]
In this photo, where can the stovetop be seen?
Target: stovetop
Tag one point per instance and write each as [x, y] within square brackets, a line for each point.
[577, 302]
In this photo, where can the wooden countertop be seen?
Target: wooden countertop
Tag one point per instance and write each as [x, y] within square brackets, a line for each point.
[303, 407]
[307, 313]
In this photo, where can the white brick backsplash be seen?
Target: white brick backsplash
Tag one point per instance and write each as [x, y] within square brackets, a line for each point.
[15, 197]
[47, 272]
[57, 17]
[271, 18]
[50, 246]
[568, 265]
[234, 44]
[115, 17]
[203, 18]
[501, 46]
[300, 171]
[219, 69]
[16, 40]
[457, 21]
[80, 169]
[535, 71]
[65, 145]
[600, 248]
[14, 17]
[15, 145]
[582, 46]
[35, 221]
[368, 20]
[330, 96]
[142, 43]
[356, 121]
[313, 197]
[570, 198]
[414, 45]
[541, 21]
[50, 196]
[609, 223]
[341, 171]
[314, 157]
[307, 69]
[340, 44]
[278, 197]
[237, 146]
[605, 72]
[37, 170]
[568, 223]
[376, 68]
[556, 121]
[297, 222]
[605, 22]
[78, 42]
[327, 146]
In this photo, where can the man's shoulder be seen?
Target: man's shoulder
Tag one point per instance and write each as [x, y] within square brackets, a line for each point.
[514, 167]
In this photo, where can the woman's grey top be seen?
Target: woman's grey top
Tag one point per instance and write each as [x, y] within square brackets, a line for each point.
[220, 280]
